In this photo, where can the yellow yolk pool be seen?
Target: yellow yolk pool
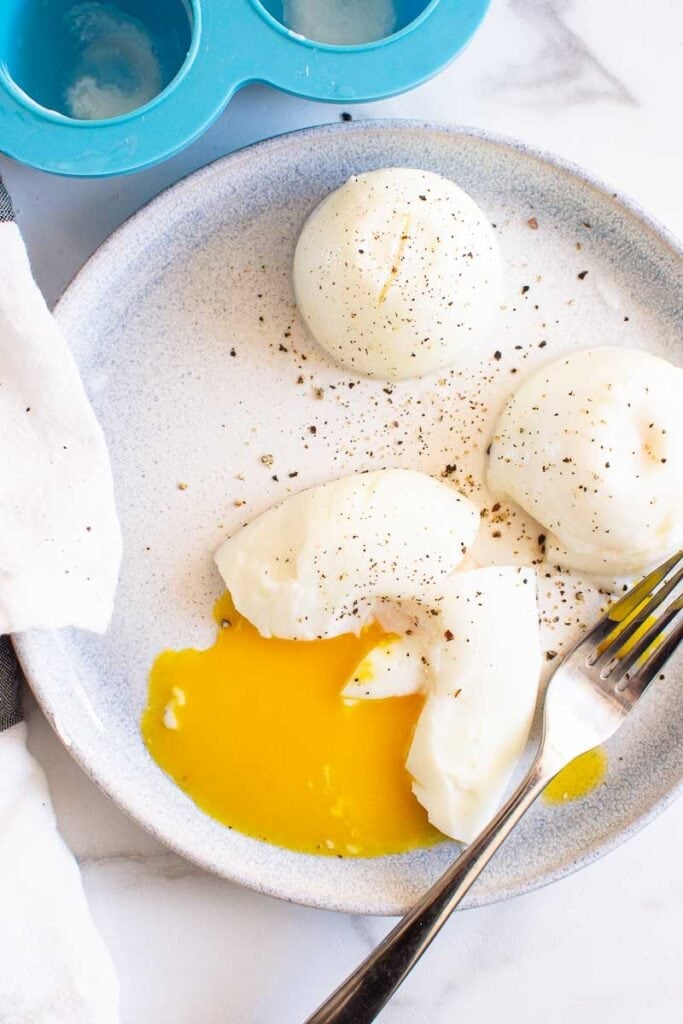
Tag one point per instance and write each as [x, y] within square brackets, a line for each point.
[254, 730]
[579, 778]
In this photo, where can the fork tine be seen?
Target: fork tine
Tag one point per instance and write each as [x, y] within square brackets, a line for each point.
[617, 645]
[608, 628]
[650, 669]
[633, 652]
[627, 604]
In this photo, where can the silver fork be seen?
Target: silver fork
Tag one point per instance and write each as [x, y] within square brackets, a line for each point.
[590, 694]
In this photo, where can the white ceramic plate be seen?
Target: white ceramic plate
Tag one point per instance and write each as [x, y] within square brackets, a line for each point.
[154, 319]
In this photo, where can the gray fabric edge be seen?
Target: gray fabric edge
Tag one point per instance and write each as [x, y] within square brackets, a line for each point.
[10, 681]
[6, 210]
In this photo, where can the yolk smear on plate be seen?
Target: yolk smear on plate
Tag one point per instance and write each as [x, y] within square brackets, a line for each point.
[579, 778]
[254, 730]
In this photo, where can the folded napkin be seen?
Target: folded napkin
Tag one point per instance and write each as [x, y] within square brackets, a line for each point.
[60, 543]
[60, 549]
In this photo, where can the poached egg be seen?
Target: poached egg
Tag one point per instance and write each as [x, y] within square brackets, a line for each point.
[473, 647]
[591, 446]
[397, 273]
[382, 548]
[485, 668]
[326, 560]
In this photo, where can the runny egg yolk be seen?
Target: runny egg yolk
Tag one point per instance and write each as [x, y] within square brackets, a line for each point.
[578, 779]
[254, 730]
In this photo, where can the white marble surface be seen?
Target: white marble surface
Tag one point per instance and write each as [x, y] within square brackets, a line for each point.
[595, 82]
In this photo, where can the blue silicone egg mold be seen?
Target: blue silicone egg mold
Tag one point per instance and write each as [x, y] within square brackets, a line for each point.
[204, 50]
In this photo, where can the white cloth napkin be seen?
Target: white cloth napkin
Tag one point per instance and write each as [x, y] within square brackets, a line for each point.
[60, 544]
[60, 549]
[54, 967]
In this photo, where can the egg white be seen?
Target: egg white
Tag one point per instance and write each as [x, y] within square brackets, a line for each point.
[592, 447]
[480, 700]
[326, 560]
[474, 648]
[394, 668]
[397, 273]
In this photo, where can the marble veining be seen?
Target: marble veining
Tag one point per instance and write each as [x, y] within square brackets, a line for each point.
[134, 867]
[562, 68]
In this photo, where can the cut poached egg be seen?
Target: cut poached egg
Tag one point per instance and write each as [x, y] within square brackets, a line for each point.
[383, 547]
[474, 649]
[326, 560]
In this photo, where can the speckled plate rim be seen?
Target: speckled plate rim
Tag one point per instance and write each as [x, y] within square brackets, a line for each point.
[157, 205]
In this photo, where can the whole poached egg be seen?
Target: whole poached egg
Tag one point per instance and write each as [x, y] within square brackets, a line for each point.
[383, 547]
[591, 446]
[397, 273]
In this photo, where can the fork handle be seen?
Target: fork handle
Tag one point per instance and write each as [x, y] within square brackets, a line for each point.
[360, 998]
